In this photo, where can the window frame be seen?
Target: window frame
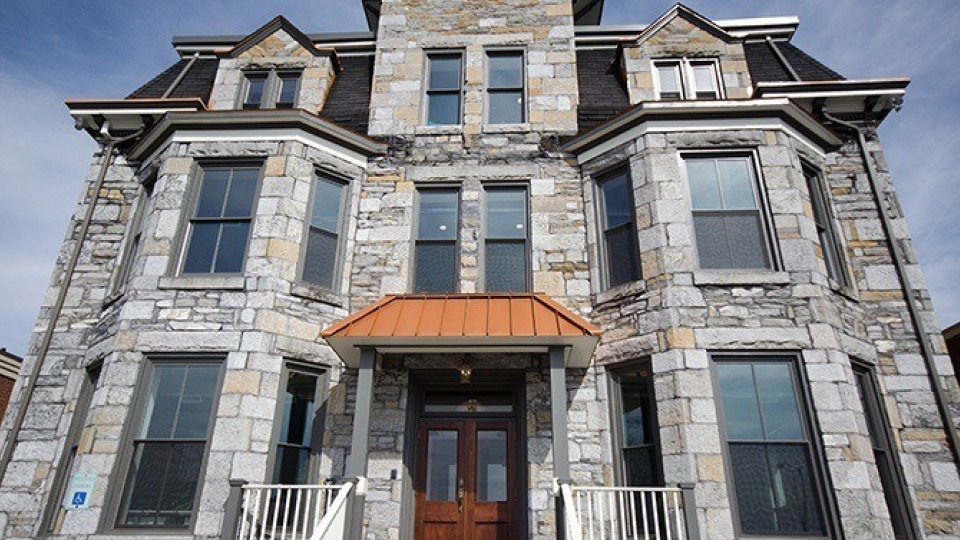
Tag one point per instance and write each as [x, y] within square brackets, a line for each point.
[615, 381]
[600, 209]
[484, 237]
[319, 421]
[320, 175]
[120, 476]
[415, 241]
[427, 91]
[688, 89]
[817, 187]
[770, 238]
[134, 235]
[487, 89]
[822, 482]
[192, 199]
[272, 86]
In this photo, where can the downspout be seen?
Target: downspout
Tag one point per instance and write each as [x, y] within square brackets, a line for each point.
[180, 76]
[926, 348]
[783, 59]
[61, 298]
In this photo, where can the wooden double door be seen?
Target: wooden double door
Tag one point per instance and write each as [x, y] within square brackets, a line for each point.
[467, 480]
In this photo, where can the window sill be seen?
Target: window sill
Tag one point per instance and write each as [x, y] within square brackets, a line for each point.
[450, 129]
[203, 282]
[740, 277]
[317, 293]
[620, 291]
[505, 128]
[153, 534]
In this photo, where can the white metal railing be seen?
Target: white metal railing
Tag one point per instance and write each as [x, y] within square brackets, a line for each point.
[624, 513]
[334, 523]
[286, 512]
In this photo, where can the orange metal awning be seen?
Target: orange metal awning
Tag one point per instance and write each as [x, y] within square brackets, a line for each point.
[520, 322]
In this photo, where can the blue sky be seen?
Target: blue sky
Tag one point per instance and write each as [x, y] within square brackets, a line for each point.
[53, 49]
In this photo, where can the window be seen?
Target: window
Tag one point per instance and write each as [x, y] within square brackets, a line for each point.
[136, 234]
[687, 78]
[300, 428]
[727, 220]
[769, 447]
[270, 89]
[506, 267]
[505, 87]
[436, 244]
[829, 242]
[53, 517]
[323, 232]
[619, 235]
[890, 474]
[636, 433]
[169, 445]
[444, 88]
[220, 227]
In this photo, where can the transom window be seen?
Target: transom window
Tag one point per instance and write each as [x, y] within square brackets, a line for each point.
[506, 265]
[618, 228]
[436, 244]
[829, 241]
[323, 232]
[687, 78]
[444, 88]
[727, 220]
[505, 87]
[220, 227]
[270, 89]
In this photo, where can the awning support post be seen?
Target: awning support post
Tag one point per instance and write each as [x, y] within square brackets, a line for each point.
[360, 444]
[558, 410]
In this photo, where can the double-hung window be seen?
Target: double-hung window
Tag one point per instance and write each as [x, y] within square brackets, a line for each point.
[505, 87]
[136, 235]
[506, 238]
[323, 231]
[636, 433]
[219, 230]
[687, 78]
[727, 219]
[444, 88]
[435, 247]
[776, 478]
[300, 427]
[829, 241]
[270, 89]
[618, 229]
[169, 445]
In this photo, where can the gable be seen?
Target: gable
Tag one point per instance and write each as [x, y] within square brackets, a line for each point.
[277, 44]
[684, 35]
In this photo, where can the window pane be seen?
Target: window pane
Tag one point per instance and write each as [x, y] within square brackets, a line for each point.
[635, 415]
[196, 401]
[444, 108]
[436, 267]
[213, 190]
[506, 70]
[669, 76]
[438, 215]
[506, 107]
[233, 247]
[491, 466]
[506, 266]
[737, 185]
[298, 407]
[778, 402]
[445, 72]
[639, 463]
[740, 406]
[318, 262]
[255, 85]
[243, 188]
[746, 240]
[161, 409]
[163, 484]
[203, 245]
[327, 205]
[506, 215]
[704, 79]
[617, 202]
[704, 185]
[441, 465]
[754, 491]
[621, 255]
[712, 245]
[292, 466]
[288, 89]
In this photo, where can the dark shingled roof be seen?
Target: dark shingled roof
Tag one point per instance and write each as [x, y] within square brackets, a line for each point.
[602, 92]
[348, 103]
[764, 65]
[198, 82]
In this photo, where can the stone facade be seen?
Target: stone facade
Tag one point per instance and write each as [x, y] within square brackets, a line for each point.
[678, 316]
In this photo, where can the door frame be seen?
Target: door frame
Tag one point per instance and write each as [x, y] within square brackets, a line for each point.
[421, 381]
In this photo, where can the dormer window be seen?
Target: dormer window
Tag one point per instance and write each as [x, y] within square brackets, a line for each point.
[687, 78]
[270, 89]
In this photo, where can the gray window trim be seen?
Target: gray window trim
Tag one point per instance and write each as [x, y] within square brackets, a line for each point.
[319, 174]
[615, 376]
[119, 476]
[425, 98]
[483, 237]
[815, 180]
[134, 235]
[810, 424]
[415, 238]
[600, 210]
[190, 208]
[270, 97]
[487, 90]
[319, 415]
[770, 238]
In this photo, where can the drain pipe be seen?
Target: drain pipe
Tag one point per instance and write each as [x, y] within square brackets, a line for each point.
[61, 297]
[926, 348]
[181, 75]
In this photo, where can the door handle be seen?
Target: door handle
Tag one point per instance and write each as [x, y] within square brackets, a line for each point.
[460, 496]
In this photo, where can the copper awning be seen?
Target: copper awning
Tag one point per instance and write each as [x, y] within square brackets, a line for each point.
[462, 323]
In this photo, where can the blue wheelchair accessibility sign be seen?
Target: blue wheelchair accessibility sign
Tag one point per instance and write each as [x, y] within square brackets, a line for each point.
[79, 498]
[80, 492]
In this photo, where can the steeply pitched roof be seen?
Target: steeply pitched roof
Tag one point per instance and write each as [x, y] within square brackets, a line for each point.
[764, 65]
[277, 23]
[348, 103]
[197, 83]
[602, 92]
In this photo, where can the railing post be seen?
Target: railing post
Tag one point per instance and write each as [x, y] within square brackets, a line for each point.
[232, 510]
[690, 511]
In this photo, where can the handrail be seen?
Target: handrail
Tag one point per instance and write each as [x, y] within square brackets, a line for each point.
[571, 518]
[335, 515]
[629, 513]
